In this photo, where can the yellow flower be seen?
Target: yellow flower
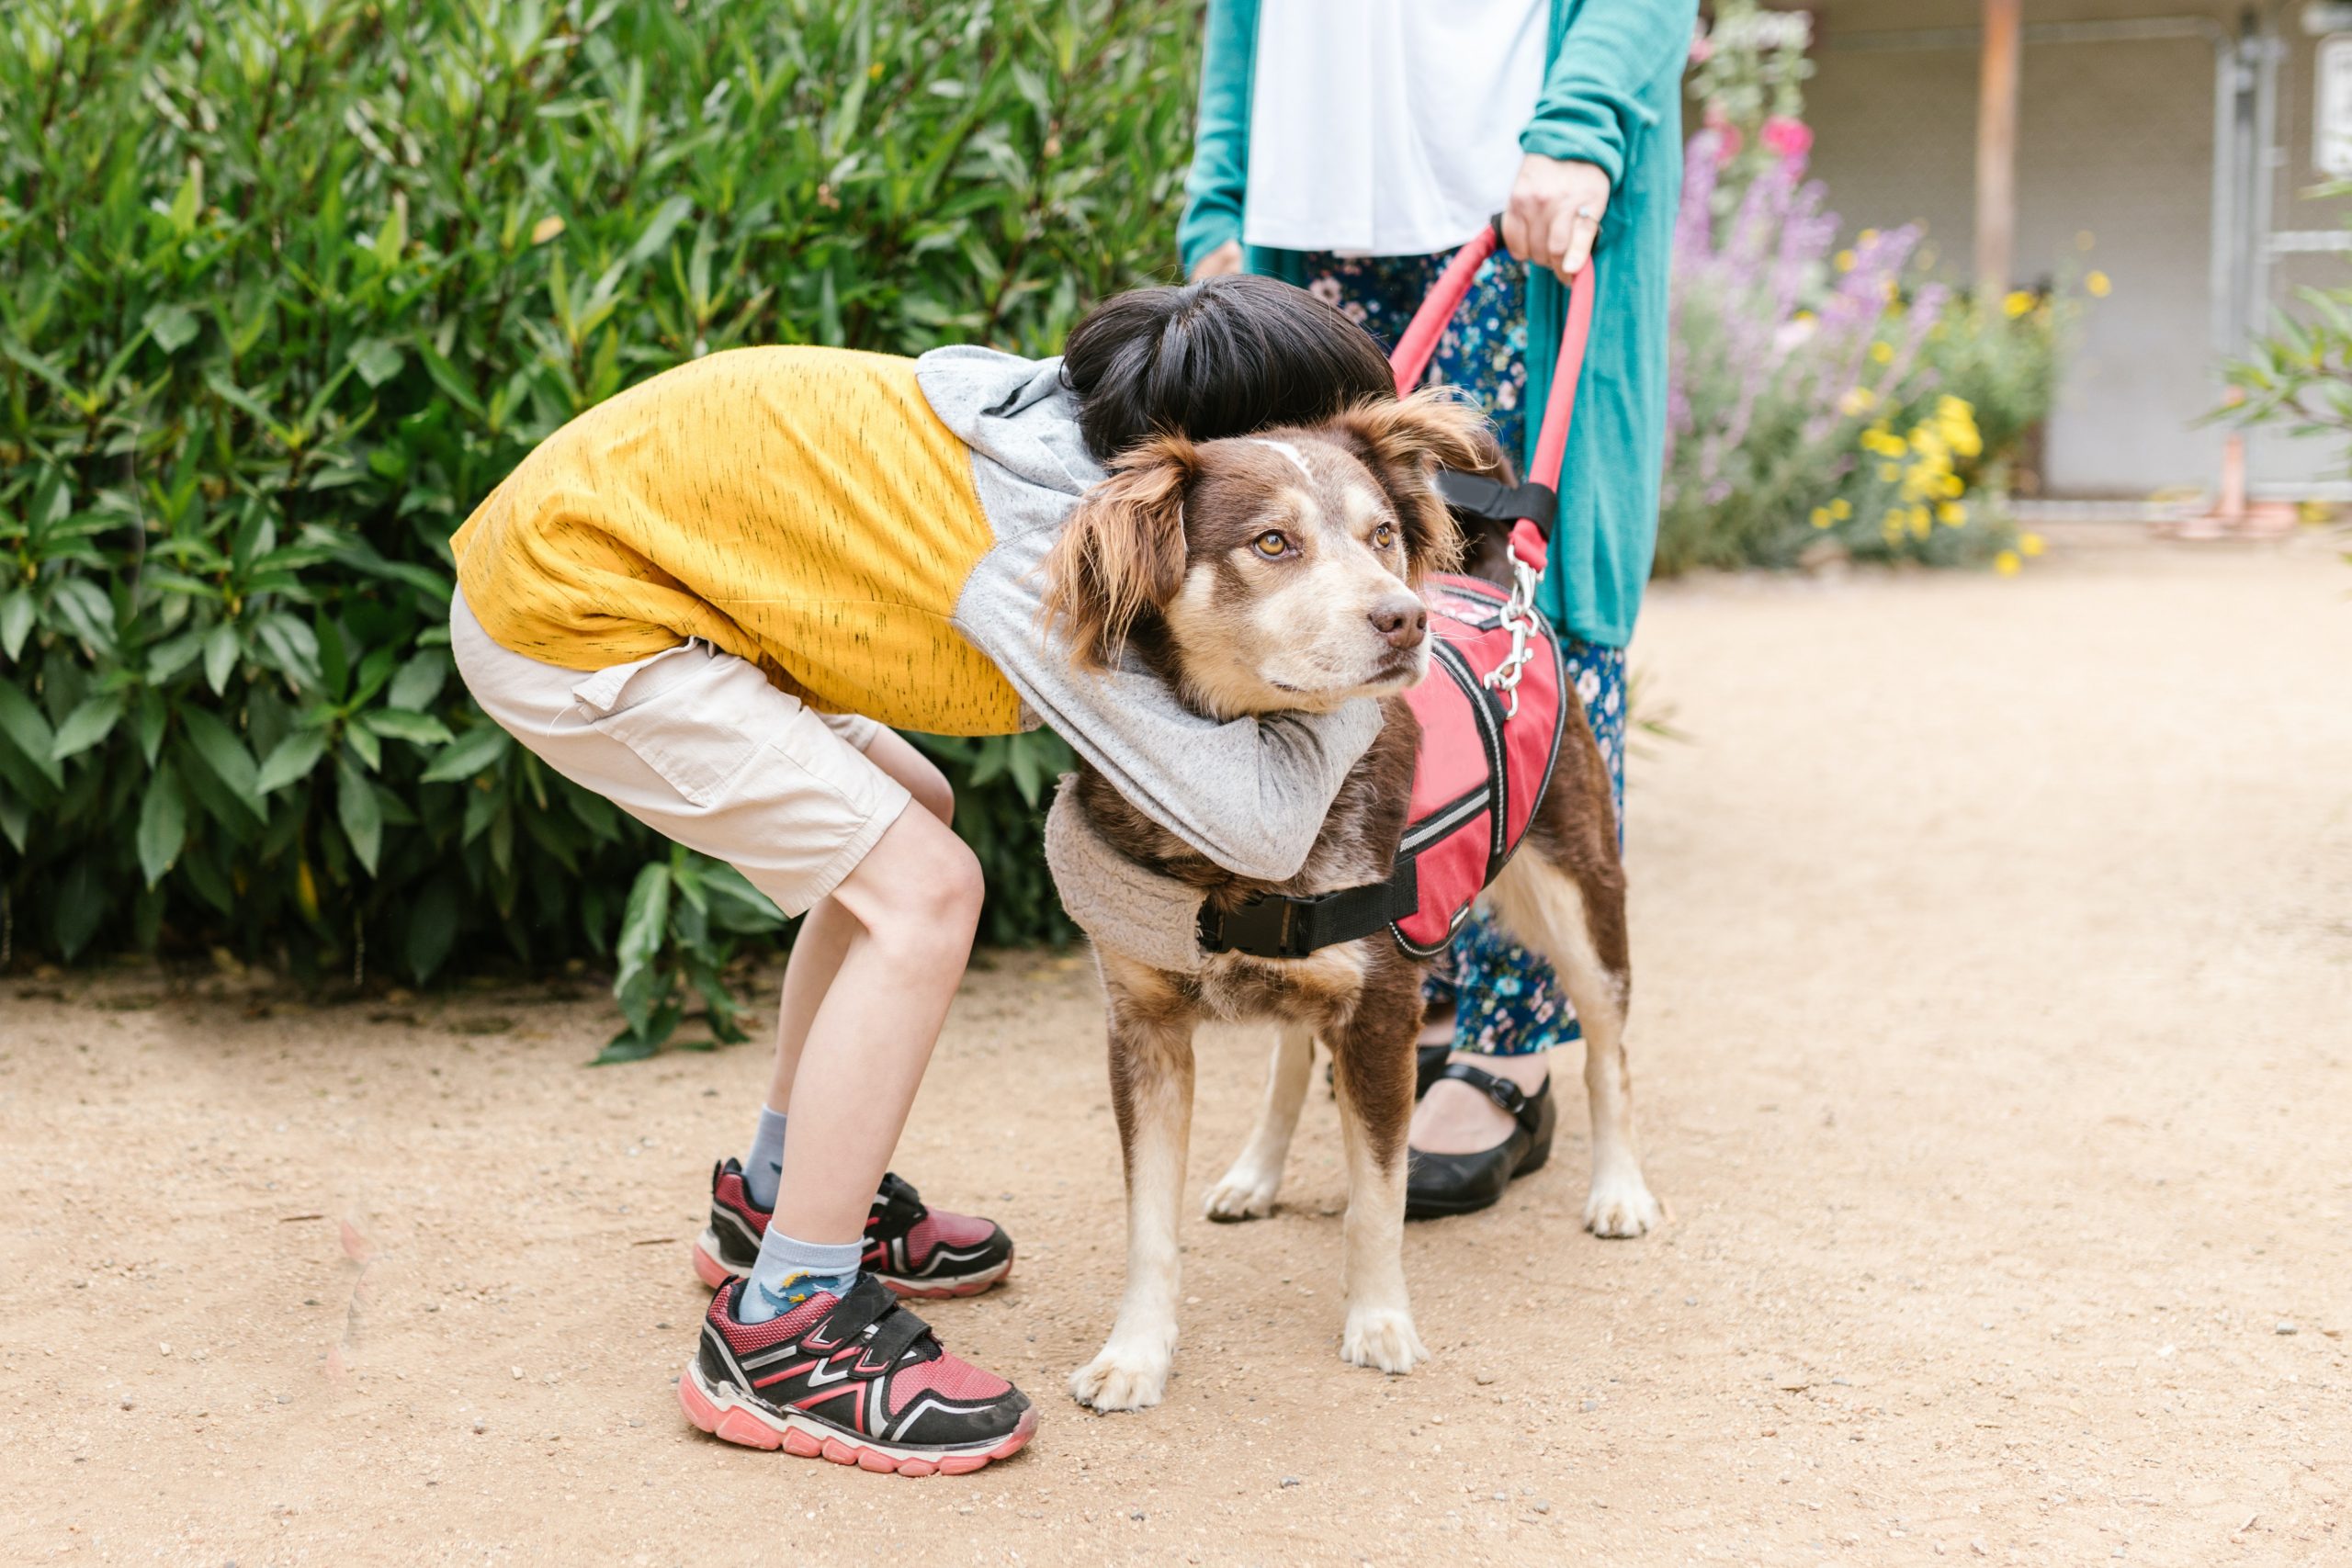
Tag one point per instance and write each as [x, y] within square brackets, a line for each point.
[1821, 518]
[1883, 352]
[2099, 284]
[1890, 472]
[1950, 514]
[1951, 486]
[874, 71]
[1858, 400]
[1867, 235]
[1841, 508]
[2031, 543]
[1890, 527]
[1920, 523]
[1845, 261]
[2018, 303]
[2006, 563]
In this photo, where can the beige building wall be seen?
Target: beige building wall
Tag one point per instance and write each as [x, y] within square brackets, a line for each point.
[2116, 172]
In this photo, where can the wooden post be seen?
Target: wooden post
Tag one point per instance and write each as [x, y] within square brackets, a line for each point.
[1996, 148]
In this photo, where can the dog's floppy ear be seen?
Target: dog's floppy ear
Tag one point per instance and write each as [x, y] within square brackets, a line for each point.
[1404, 440]
[1121, 555]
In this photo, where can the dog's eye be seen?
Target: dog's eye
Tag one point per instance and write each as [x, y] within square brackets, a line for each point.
[1383, 536]
[1272, 543]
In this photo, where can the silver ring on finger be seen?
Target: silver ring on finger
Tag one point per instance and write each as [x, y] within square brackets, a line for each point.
[1588, 214]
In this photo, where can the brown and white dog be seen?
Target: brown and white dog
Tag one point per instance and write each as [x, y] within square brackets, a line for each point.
[1278, 572]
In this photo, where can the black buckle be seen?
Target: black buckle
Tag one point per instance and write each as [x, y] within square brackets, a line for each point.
[1267, 925]
[1507, 1096]
[1278, 925]
[1475, 495]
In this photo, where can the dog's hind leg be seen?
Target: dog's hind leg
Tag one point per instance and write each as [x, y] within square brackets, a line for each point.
[1151, 1090]
[1373, 1055]
[1578, 923]
[1247, 1190]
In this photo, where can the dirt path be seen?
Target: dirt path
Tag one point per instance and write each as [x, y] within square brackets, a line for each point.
[1994, 1052]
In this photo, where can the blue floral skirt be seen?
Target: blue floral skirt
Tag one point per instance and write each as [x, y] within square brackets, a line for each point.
[1506, 1002]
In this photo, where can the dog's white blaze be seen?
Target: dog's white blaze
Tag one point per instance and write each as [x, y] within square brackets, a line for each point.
[1297, 458]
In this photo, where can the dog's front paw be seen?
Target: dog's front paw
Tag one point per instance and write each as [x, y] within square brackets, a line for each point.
[1245, 1193]
[1121, 1378]
[1620, 1207]
[1383, 1337]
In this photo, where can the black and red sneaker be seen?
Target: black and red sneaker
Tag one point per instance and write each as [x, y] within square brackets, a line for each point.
[915, 1249]
[856, 1379]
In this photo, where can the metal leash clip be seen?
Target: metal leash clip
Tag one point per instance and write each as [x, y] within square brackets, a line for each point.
[1518, 616]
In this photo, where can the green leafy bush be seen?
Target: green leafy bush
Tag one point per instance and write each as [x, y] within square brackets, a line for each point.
[286, 286]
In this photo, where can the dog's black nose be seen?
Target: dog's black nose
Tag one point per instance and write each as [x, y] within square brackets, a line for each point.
[1402, 619]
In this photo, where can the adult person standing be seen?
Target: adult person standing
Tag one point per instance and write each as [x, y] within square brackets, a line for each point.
[1349, 147]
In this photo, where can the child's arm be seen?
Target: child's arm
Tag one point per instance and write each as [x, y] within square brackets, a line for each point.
[1250, 793]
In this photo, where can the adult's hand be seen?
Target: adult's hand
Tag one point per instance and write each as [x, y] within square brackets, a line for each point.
[1554, 212]
[1226, 258]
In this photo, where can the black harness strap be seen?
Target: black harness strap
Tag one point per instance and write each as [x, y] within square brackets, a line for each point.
[1287, 926]
[1474, 495]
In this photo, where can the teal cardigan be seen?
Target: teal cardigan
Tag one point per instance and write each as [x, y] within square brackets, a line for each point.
[1613, 96]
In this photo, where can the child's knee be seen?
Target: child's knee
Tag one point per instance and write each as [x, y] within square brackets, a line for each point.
[943, 904]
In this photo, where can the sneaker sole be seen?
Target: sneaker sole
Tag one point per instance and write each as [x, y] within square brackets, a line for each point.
[717, 1412]
[714, 1271]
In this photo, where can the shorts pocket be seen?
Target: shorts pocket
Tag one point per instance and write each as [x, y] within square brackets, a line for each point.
[692, 716]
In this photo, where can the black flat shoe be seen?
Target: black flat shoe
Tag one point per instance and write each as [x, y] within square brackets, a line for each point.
[1429, 1061]
[1437, 1185]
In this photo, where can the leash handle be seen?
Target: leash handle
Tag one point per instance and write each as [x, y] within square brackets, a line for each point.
[1419, 345]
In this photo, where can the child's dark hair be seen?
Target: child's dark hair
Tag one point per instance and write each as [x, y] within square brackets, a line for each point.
[1222, 357]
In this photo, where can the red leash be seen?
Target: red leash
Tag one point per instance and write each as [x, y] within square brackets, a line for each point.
[1419, 343]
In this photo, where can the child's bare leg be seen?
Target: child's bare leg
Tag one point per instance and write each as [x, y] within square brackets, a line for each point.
[825, 933]
[915, 902]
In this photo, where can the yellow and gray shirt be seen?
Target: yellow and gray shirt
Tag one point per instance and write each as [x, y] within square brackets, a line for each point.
[868, 531]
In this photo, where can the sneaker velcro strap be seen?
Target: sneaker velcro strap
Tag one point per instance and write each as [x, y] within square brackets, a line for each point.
[1502, 1091]
[898, 1193]
[868, 1302]
[896, 1334]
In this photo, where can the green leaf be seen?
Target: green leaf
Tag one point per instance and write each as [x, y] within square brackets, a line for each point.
[431, 929]
[15, 818]
[163, 825]
[292, 759]
[81, 905]
[16, 622]
[168, 657]
[473, 753]
[87, 726]
[359, 812]
[657, 230]
[419, 681]
[645, 925]
[174, 327]
[225, 754]
[399, 724]
[28, 729]
[220, 651]
[376, 360]
[154, 715]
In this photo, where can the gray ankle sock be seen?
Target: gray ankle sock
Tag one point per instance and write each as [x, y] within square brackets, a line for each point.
[764, 1164]
[789, 1272]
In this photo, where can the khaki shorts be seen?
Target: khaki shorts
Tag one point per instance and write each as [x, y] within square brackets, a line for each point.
[697, 745]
